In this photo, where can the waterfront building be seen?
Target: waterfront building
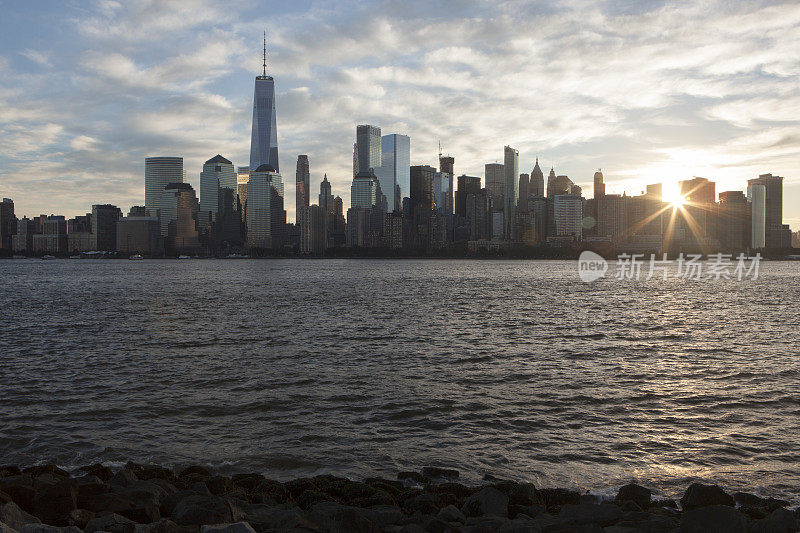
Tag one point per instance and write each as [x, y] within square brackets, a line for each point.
[495, 182]
[8, 224]
[511, 191]
[365, 191]
[302, 201]
[442, 193]
[559, 185]
[568, 215]
[446, 166]
[599, 186]
[264, 135]
[218, 173]
[104, 227]
[242, 177]
[733, 221]
[139, 234]
[611, 220]
[179, 218]
[422, 193]
[79, 234]
[777, 234]
[158, 173]
[53, 236]
[266, 218]
[698, 191]
[22, 241]
[757, 196]
[524, 192]
[478, 211]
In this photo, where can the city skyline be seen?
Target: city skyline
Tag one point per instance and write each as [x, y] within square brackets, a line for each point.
[194, 100]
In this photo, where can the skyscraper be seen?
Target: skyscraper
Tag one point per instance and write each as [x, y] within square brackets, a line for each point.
[698, 190]
[536, 187]
[524, 191]
[393, 173]
[179, 211]
[568, 214]
[264, 139]
[466, 185]
[263, 190]
[495, 182]
[422, 197]
[368, 141]
[158, 173]
[777, 235]
[8, 224]
[104, 227]
[757, 196]
[302, 199]
[365, 191]
[447, 165]
[599, 186]
[511, 192]
[218, 173]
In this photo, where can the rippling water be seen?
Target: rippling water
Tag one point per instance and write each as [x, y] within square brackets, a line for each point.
[363, 367]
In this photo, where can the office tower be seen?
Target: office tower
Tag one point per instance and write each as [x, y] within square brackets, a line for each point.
[318, 234]
[394, 230]
[568, 215]
[599, 186]
[757, 196]
[558, 185]
[478, 210]
[53, 236]
[393, 172]
[365, 191]
[7, 224]
[218, 173]
[264, 139]
[698, 191]
[654, 211]
[22, 240]
[139, 234]
[422, 193]
[777, 235]
[242, 177]
[302, 200]
[495, 183]
[179, 218]
[524, 191]
[540, 207]
[442, 194]
[536, 186]
[79, 234]
[654, 192]
[355, 159]
[365, 226]
[227, 229]
[158, 173]
[447, 165]
[466, 185]
[551, 177]
[368, 141]
[511, 192]
[264, 206]
[104, 227]
[611, 216]
[325, 198]
[733, 221]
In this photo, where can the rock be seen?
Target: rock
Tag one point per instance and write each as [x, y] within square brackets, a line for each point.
[238, 527]
[520, 525]
[45, 480]
[44, 528]
[411, 476]
[106, 503]
[422, 503]
[746, 499]
[36, 471]
[435, 472]
[163, 526]
[123, 478]
[200, 510]
[383, 515]
[112, 523]
[348, 519]
[590, 513]
[9, 470]
[713, 519]
[523, 494]
[102, 472]
[486, 502]
[5, 528]
[558, 497]
[779, 521]
[53, 503]
[79, 518]
[15, 518]
[247, 481]
[293, 520]
[634, 493]
[194, 470]
[649, 522]
[451, 513]
[20, 490]
[699, 495]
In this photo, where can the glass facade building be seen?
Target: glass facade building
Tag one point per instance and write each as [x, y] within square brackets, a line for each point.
[158, 173]
[511, 191]
[218, 173]
[264, 138]
[394, 172]
[368, 147]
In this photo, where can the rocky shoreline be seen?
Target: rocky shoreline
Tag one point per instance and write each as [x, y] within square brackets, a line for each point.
[153, 499]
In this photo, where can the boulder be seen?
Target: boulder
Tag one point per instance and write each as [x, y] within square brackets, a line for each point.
[647, 521]
[247, 481]
[553, 498]
[523, 494]
[605, 514]
[198, 510]
[636, 494]
[53, 503]
[102, 472]
[113, 523]
[746, 499]
[779, 521]
[163, 526]
[194, 471]
[349, 520]
[9, 470]
[20, 490]
[44, 528]
[420, 502]
[36, 471]
[713, 519]
[699, 495]
[435, 472]
[107, 502]
[383, 515]
[123, 478]
[486, 502]
[238, 527]
[411, 476]
[451, 513]
[5, 528]
[79, 518]
[15, 518]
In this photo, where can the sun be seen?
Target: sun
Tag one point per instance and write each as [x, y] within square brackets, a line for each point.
[674, 197]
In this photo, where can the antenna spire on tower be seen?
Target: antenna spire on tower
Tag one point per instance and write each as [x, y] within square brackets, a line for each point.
[265, 54]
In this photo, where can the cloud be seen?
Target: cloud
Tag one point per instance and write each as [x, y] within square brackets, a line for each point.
[41, 58]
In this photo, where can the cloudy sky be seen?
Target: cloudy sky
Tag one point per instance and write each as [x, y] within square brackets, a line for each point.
[647, 91]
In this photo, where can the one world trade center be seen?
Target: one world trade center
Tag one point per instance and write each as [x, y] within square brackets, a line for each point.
[264, 140]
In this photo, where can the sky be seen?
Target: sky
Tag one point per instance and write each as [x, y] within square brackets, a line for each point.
[648, 91]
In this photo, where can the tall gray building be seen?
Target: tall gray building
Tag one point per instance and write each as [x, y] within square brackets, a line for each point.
[511, 192]
[264, 138]
[158, 173]
[302, 191]
[368, 146]
[217, 174]
[495, 182]
[394, 172]
[536, 185]
[777, 235]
